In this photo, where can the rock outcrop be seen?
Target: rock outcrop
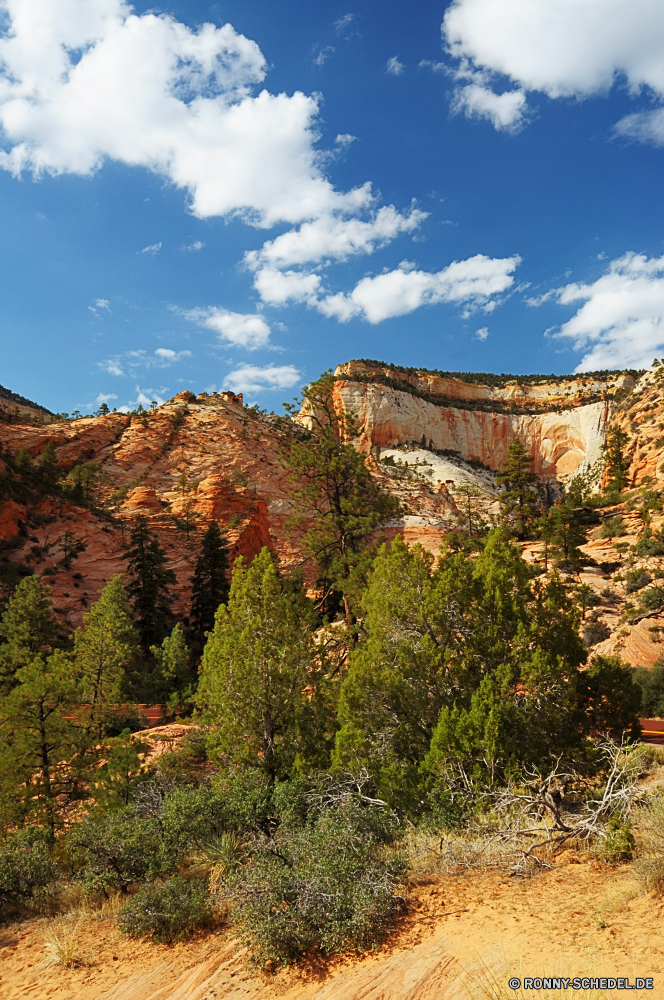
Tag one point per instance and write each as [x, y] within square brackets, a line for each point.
[561, 440]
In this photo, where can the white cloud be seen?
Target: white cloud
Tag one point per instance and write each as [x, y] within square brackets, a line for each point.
[145, 397]
[505, 111]
[243, 330]
[250, 378]
[323, 55]
[482, 333]
[330, 237]
[131, 361]
[344, 140]
[621, 320]
[83, 81]
[474, 282]
[566, 48]
[194, 246]
[168, 356]
[344, 22]
[105, 397]
[113, 366]
[394, 67]
[153, 249]
[279, 287]
[100, 304]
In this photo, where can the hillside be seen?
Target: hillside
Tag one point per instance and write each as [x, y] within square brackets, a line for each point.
[201, 457]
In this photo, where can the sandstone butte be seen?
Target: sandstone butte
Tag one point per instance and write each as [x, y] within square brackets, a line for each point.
[197, 458]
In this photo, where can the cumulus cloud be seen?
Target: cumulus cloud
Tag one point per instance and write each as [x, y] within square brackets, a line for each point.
[246, 330]
[394, 67]
[250, 378]
[82, 81]
[153, 249]
[327, 239]
[573, 48]
[333, 238]
[168, 356]
[197, 245]
[473, 282]
[482, 333]
[506, 111]
[105, 397]
[620, 322]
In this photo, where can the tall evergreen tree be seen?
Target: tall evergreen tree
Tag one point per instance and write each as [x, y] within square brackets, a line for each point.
[150, 583]
[256, 665]
[617, 463]
[27, 627]
[105, 648]
[42, 755]
[339, 502]
[210, 585]
[173, 683]
[519, 500]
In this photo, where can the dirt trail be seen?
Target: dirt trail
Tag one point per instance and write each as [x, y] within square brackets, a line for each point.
[581, 918]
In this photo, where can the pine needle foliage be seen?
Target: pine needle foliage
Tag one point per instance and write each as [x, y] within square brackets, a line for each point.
[339, 504]
[210, 583]
[150, 583]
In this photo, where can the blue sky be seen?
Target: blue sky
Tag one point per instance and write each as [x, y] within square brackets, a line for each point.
[244, 194]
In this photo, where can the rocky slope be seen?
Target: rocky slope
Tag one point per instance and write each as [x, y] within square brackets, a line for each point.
[433, 441]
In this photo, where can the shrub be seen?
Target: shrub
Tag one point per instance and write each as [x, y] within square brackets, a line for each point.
[618, 842]
[120, 850]
[651, 599]
[326, 885]
[613, 528]
[651, 683]
[649, 547]
[166, 911]
[594, 632]
[635, 579]
[26, 869]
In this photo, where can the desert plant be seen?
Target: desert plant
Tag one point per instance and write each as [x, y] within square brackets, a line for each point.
[166, 911]
[26, 868]
[635, 579]
[328, 883]
[61, 949]
[612, 528]
[618, 841]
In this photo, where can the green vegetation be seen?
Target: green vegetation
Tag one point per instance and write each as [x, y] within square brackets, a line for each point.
[150, 583]
[333, 487]
[405, 696]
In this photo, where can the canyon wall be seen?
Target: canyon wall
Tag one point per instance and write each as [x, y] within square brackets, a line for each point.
[562, 441]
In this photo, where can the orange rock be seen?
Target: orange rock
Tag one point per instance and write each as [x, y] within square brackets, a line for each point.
[10, 514]
[143, 498]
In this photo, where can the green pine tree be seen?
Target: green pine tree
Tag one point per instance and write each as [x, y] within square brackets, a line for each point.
[117, 779]
[27, 627]
[42, 753]
[519, 501]
[337, 499]
[256, 665]
[561, 529]
[617, 463]
[210, 584]
[150, 582]
[173, 682]
[48, 472]
[106, 648]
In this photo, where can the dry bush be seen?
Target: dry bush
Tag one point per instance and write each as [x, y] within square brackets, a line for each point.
[62, 947]
[487, 978]
[650, 865]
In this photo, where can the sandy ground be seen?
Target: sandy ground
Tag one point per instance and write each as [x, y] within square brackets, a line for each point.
[580, 918]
